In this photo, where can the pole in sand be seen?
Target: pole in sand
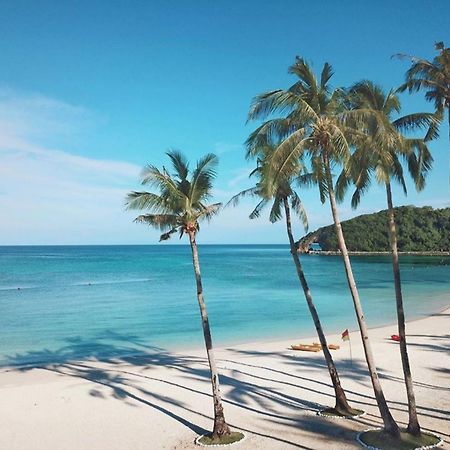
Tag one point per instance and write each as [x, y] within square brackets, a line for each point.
[346, 337]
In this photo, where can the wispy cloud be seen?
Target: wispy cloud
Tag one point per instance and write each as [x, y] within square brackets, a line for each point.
[239, 176]
[34, 115]
[50, 195]
[222, 147]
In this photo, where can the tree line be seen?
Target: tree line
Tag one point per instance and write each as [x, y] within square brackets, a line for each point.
[419, 230]
[337, 140]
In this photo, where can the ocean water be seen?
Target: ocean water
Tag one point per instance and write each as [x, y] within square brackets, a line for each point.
[58, 303]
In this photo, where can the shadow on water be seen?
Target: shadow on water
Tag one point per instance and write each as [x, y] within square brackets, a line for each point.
[120, 366]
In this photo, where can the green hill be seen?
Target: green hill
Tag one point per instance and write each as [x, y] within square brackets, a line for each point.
[419, 230]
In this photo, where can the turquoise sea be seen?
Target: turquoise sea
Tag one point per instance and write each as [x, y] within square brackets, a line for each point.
[101, 301]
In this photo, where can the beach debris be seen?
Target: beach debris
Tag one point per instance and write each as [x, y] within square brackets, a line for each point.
[334, 347]
[306, 347]
[314, 347]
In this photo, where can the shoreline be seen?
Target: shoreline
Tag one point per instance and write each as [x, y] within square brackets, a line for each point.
[223, 346]
[238, 343]
[361, 253]
[271, 393]
[444, 310]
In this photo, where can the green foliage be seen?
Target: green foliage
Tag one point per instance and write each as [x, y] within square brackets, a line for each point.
[432, 77]
[179, 204]
[303, 123]
[419, 230]
[268, 192]
[382, 145]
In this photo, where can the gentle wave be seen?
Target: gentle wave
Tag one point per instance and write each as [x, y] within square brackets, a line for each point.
[103, 282]
[16, 288]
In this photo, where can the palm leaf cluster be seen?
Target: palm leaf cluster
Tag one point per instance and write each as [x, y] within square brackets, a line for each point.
[433, 77]
[311, 128]
[181, 201]
[382, 150]
[272, 197]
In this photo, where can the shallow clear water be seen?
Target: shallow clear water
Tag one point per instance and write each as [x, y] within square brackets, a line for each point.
[81, 301]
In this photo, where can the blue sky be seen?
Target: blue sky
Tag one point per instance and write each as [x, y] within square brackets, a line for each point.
[90, 91]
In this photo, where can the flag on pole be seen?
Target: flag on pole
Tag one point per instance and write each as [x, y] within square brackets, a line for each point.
[345, 336]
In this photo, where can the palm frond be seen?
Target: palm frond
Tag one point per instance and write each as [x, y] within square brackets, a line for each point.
[298, 208]
[202, 177]
[168, 235]
[161, 221]
[327, 73]
[285, 161]
[275, 212]
[433, 130]
[179, 163]
[419, 161]
[265, 104]
[414, 121]
[146, 200]
[340, 146]
[269, 133]
[258, 208]
[305, 179]
[207, 212]
[342, 184]
[303, 71]
[397, 174]
[251, 192]
[152, 176]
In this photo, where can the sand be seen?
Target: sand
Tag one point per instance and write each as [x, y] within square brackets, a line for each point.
[162, 400]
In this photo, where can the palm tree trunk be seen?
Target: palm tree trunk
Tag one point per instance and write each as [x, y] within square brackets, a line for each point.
[220, 426]
[413, 424]
[342, 405]
[390, 426]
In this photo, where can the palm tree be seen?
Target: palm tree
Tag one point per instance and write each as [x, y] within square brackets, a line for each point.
[312, 124]
[179, 207]
[285, 198]
[380, 155]
[433, 77]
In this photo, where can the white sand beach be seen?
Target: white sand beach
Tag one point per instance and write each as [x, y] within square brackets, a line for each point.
[162, 400]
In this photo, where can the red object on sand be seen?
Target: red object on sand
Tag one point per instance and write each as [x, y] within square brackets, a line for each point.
[395, 337]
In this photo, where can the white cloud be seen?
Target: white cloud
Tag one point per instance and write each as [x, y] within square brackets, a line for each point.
[34, 115]
[53, 196]
[222, 147]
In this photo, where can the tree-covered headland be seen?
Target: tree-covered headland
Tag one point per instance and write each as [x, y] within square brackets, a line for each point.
[419, 230]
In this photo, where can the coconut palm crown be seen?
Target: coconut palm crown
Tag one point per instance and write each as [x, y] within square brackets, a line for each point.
[266, 195]
[181, 203]
[312, 127]
[384, 146]
[432, 77]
